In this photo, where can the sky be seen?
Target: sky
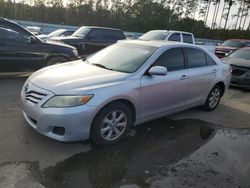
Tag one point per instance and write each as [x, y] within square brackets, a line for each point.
[231, 22]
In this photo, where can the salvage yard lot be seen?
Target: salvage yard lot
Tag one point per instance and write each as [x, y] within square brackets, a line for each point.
[20, 145]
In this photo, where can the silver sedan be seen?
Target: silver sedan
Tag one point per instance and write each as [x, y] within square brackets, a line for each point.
[123, 85]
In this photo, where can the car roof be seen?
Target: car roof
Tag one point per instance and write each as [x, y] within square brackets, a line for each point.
[171, 31]
[248, 40]
[156, 43]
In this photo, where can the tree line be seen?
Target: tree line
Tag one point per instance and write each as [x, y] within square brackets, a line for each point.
[138, 15]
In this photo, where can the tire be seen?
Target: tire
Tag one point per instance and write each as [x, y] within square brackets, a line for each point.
[213, 98]
[56, 60]
[111, 124]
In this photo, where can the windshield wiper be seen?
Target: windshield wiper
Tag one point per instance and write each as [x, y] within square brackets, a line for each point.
[102, 66]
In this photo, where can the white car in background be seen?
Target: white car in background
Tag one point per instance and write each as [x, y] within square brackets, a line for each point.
[177, 36]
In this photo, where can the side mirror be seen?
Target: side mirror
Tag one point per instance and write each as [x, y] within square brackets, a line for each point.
[158, 70]
[32, 40]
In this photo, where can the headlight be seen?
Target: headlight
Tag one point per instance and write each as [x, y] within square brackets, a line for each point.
[75, 52]
[67, 101]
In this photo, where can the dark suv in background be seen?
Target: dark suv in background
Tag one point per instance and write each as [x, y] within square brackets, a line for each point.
[22, 51]
[89, 40]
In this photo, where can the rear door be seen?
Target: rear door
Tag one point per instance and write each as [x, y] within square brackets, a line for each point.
[163, 94]
[202, 74]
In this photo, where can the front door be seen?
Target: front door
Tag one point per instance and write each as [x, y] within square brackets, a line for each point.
[165, 94]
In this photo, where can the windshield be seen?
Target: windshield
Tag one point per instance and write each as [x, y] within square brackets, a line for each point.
[154, 35]
[234, 43]
[56, 33]
[242, 54]
[122, 57]
[81, 32]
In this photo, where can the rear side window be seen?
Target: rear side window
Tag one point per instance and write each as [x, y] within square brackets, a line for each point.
[187, 38]
[118, 35]
[195, 58]
[175, 37]
[210, 61]
[172, 59]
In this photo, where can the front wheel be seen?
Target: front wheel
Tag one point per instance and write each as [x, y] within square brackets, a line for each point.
[111, 124]
[213, 98]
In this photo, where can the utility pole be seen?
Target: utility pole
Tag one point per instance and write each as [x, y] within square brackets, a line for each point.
[15, 8]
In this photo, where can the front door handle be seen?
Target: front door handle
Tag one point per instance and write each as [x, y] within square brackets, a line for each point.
[184, 77]
[214, 71]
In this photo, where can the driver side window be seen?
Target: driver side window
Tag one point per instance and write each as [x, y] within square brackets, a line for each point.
[172, 59]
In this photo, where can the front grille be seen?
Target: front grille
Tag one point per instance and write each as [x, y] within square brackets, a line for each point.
[34, 96]
[238, 71]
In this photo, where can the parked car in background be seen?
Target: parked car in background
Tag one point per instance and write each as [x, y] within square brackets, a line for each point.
[89, 40]
[57, 33]
[125, 84]
[132, 35]
[20, 50]
[34, 30]
[230, 46]
[178, 36]
[209, 46]
[240, 63]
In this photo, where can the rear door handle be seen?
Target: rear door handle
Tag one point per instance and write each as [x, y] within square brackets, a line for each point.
[184, 77]
[214, 71]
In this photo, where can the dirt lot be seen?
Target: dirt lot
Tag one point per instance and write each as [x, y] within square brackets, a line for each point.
[190, 149]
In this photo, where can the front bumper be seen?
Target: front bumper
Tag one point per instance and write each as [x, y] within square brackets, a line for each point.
[243, 82]
[62, 124]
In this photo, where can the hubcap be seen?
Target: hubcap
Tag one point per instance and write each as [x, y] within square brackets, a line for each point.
[214, 98]
[113, 125]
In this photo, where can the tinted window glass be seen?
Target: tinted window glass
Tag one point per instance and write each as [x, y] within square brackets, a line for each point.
[195, 57]
[108, 34]
[175, 37]
[210, 61]
[7, 34]
[96, 34]
[119, 35]
[172, 59]
[187, 38]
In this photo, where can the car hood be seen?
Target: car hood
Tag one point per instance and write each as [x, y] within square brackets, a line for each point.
[67, 38]
[57, 44]
[226, 48]
[75, 77]
[237, 61]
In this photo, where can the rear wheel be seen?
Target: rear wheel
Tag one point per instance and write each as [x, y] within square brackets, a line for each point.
[213, 98]
[56, 60]
[111, 124]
